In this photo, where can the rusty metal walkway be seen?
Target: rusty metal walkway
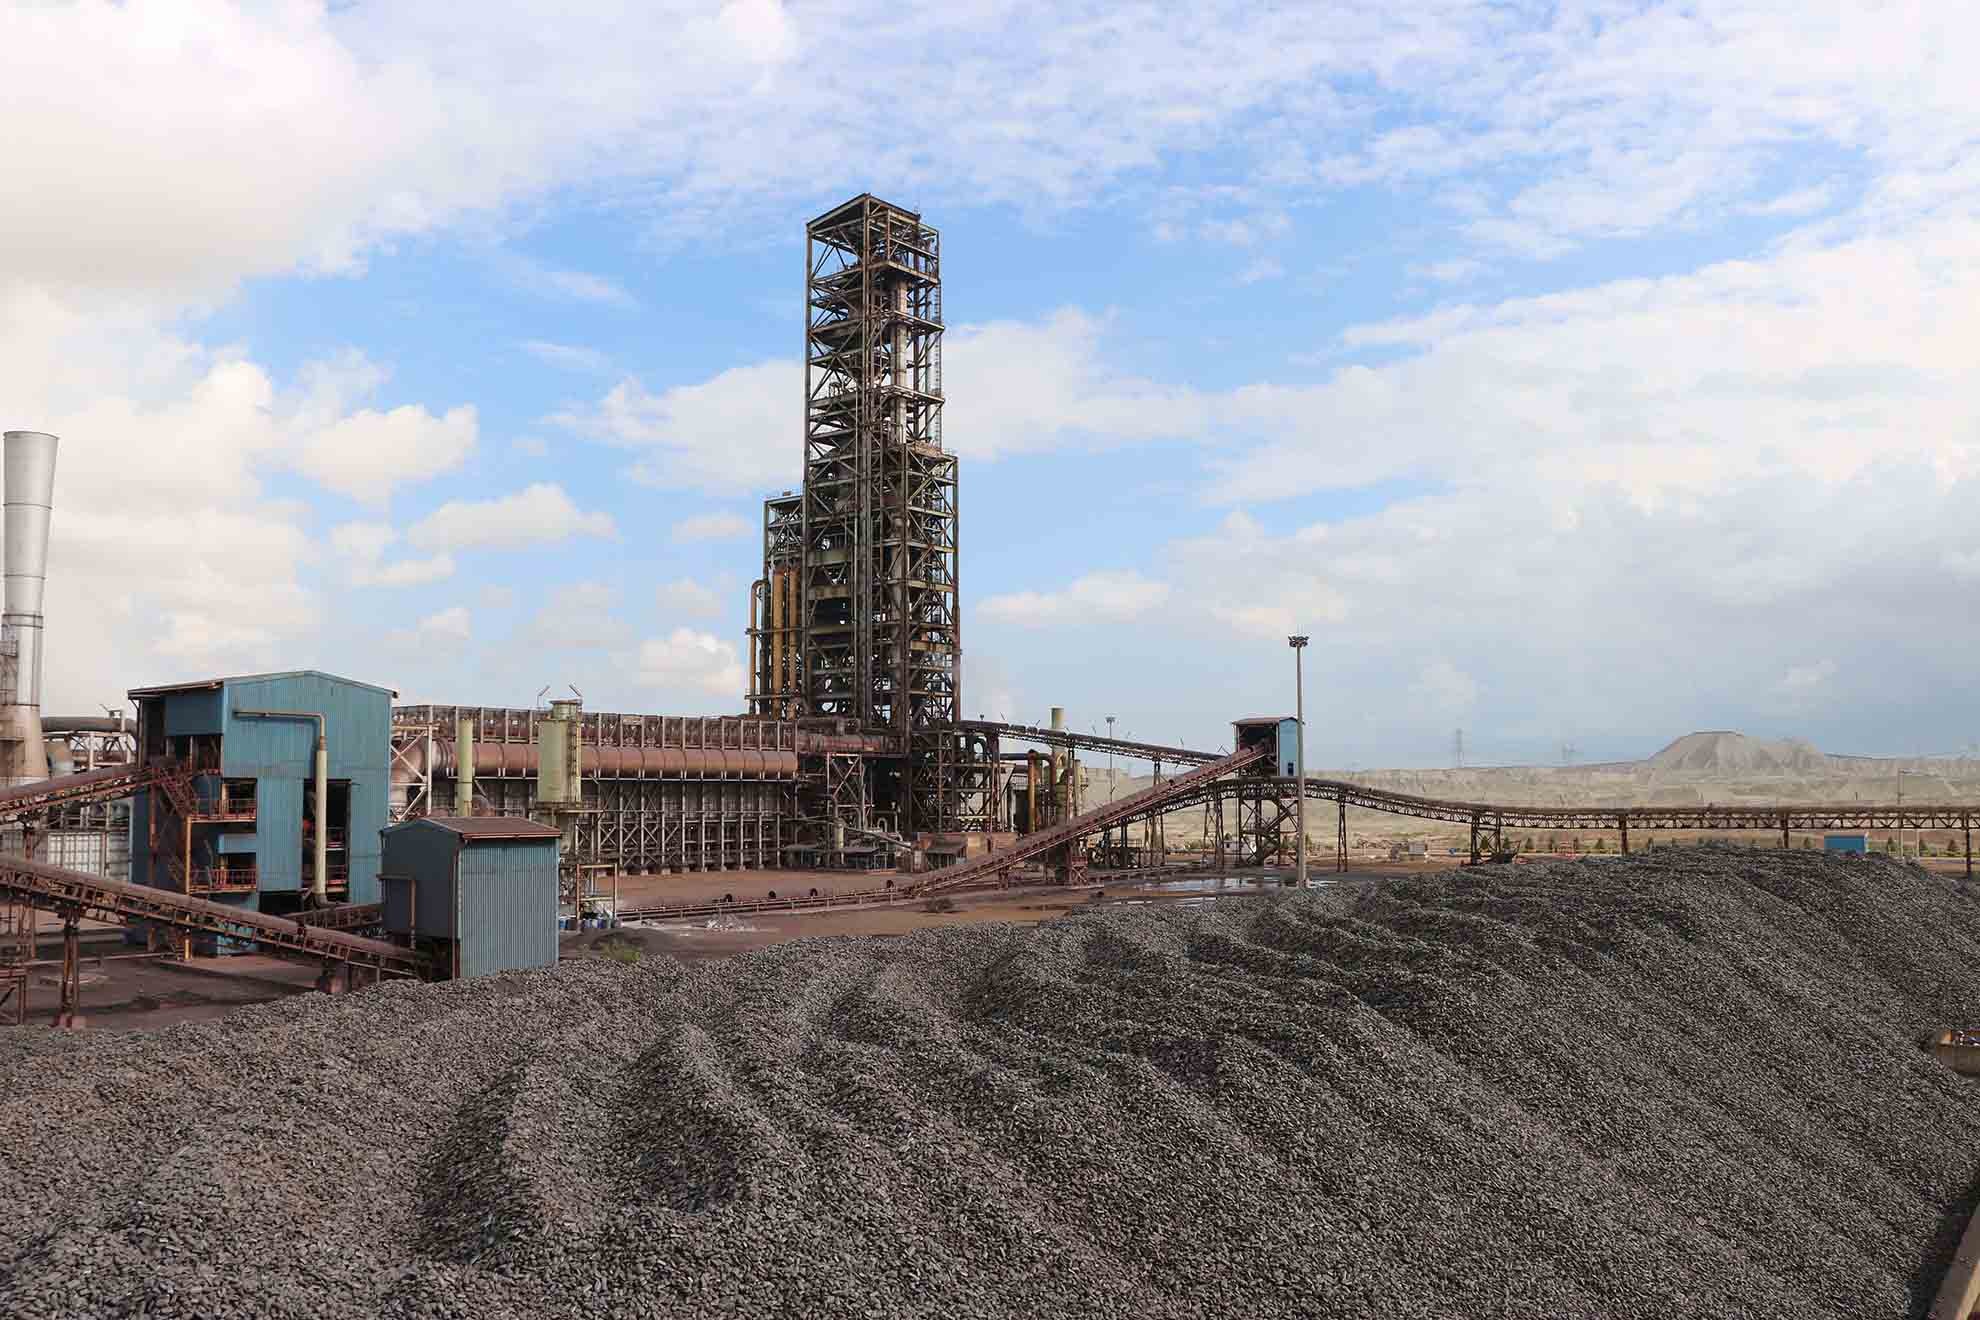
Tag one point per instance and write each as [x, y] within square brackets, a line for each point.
[54, 889]
[106, 784]
[1493, 818]
[1056, 843]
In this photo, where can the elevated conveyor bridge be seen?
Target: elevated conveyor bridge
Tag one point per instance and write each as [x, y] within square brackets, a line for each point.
[73, 895]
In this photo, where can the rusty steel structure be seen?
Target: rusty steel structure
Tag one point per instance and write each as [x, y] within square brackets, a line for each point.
[659, 792]
[855, 617]
[71, 895]
[1262, 807]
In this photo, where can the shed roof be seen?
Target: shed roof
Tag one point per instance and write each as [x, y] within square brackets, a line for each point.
[485, 827]
[1262, 719]
[209, 684]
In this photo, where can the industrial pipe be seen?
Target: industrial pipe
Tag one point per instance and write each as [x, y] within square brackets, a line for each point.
[319, 885]
[464, 767]
[86, 724]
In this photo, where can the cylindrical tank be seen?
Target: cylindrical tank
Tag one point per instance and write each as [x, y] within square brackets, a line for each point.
[559, 757]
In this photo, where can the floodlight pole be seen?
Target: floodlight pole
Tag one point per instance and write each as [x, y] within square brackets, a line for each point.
[1298, 645]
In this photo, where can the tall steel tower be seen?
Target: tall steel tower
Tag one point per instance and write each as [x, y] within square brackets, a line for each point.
[881, 641]
[856, 615]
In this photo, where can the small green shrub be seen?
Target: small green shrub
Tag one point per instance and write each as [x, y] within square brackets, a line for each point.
[623, 952]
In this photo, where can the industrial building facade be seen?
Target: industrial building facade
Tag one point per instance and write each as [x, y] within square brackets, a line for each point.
[659, 792]
[249, 834]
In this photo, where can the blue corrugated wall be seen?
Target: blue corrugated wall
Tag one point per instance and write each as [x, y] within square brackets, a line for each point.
[425, 852]
[509, 905]
[358, 731]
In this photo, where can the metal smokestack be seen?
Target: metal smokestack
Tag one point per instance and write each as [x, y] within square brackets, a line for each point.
[30, 501]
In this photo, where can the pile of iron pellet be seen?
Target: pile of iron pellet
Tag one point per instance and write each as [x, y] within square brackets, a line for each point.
[1688, 1083]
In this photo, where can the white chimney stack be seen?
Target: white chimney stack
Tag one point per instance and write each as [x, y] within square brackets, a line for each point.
[29, 458]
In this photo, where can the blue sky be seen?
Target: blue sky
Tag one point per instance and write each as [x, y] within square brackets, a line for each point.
[1582, 372]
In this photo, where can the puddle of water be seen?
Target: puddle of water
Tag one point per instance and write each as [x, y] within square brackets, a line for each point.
[723, 924]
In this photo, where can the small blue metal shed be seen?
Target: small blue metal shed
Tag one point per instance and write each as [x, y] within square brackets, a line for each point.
[485, 885]
[1281, 732]
[1846, 843]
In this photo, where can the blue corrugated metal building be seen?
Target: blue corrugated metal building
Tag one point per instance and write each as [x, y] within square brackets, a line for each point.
[1846, 843]
[486, 885]
[250, 836]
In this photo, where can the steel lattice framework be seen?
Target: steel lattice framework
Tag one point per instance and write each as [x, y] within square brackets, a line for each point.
[858, 618]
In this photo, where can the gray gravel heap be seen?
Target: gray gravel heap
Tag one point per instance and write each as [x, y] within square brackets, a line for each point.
[1682, 1084]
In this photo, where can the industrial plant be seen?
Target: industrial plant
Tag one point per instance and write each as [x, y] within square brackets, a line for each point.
[283, 812]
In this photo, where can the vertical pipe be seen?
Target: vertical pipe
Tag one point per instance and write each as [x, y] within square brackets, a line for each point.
[319, 885]
[755, 650]
[1058, 768]
[1299, 718]
[1031, 792]
[464, 765]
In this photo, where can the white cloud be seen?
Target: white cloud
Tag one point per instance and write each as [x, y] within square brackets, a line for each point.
[1258, 271]
[688, 597]
[495, 596]
[578, 616]
[362, 546]
[1741, 371]
[1802, 679]
[451, 624]
[712, 527]
[530, 446]
[445, 632]
[1444, 688]
[1247, 231]
[206, 573]
[1454, 270]
[686, 660]
[539, 514]
[564, 285]
[325, 151]
[568, 357]
[1801, 201]
[737, 431]
[366, 453]
[1107, 597]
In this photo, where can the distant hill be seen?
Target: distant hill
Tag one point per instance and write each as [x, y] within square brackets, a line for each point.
[1711, 766]
[1722, 751]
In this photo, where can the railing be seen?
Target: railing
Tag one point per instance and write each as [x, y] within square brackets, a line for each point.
[221, 880]
[229, 805]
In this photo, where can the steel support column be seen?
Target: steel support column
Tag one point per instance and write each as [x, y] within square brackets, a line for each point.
[1340, 838]
[68, 1014]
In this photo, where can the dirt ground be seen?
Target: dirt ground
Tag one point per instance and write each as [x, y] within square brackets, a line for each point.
[723, 937]
[124, 990]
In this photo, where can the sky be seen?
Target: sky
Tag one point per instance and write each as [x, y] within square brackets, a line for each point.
[1577, 374]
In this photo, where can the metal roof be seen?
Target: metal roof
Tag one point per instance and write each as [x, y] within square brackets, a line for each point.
[209, 684]
[485, 827]
[1263, 719]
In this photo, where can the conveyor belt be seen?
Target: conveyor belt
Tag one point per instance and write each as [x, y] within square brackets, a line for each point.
[1043, 842]
[55, 889]
[88, 786]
